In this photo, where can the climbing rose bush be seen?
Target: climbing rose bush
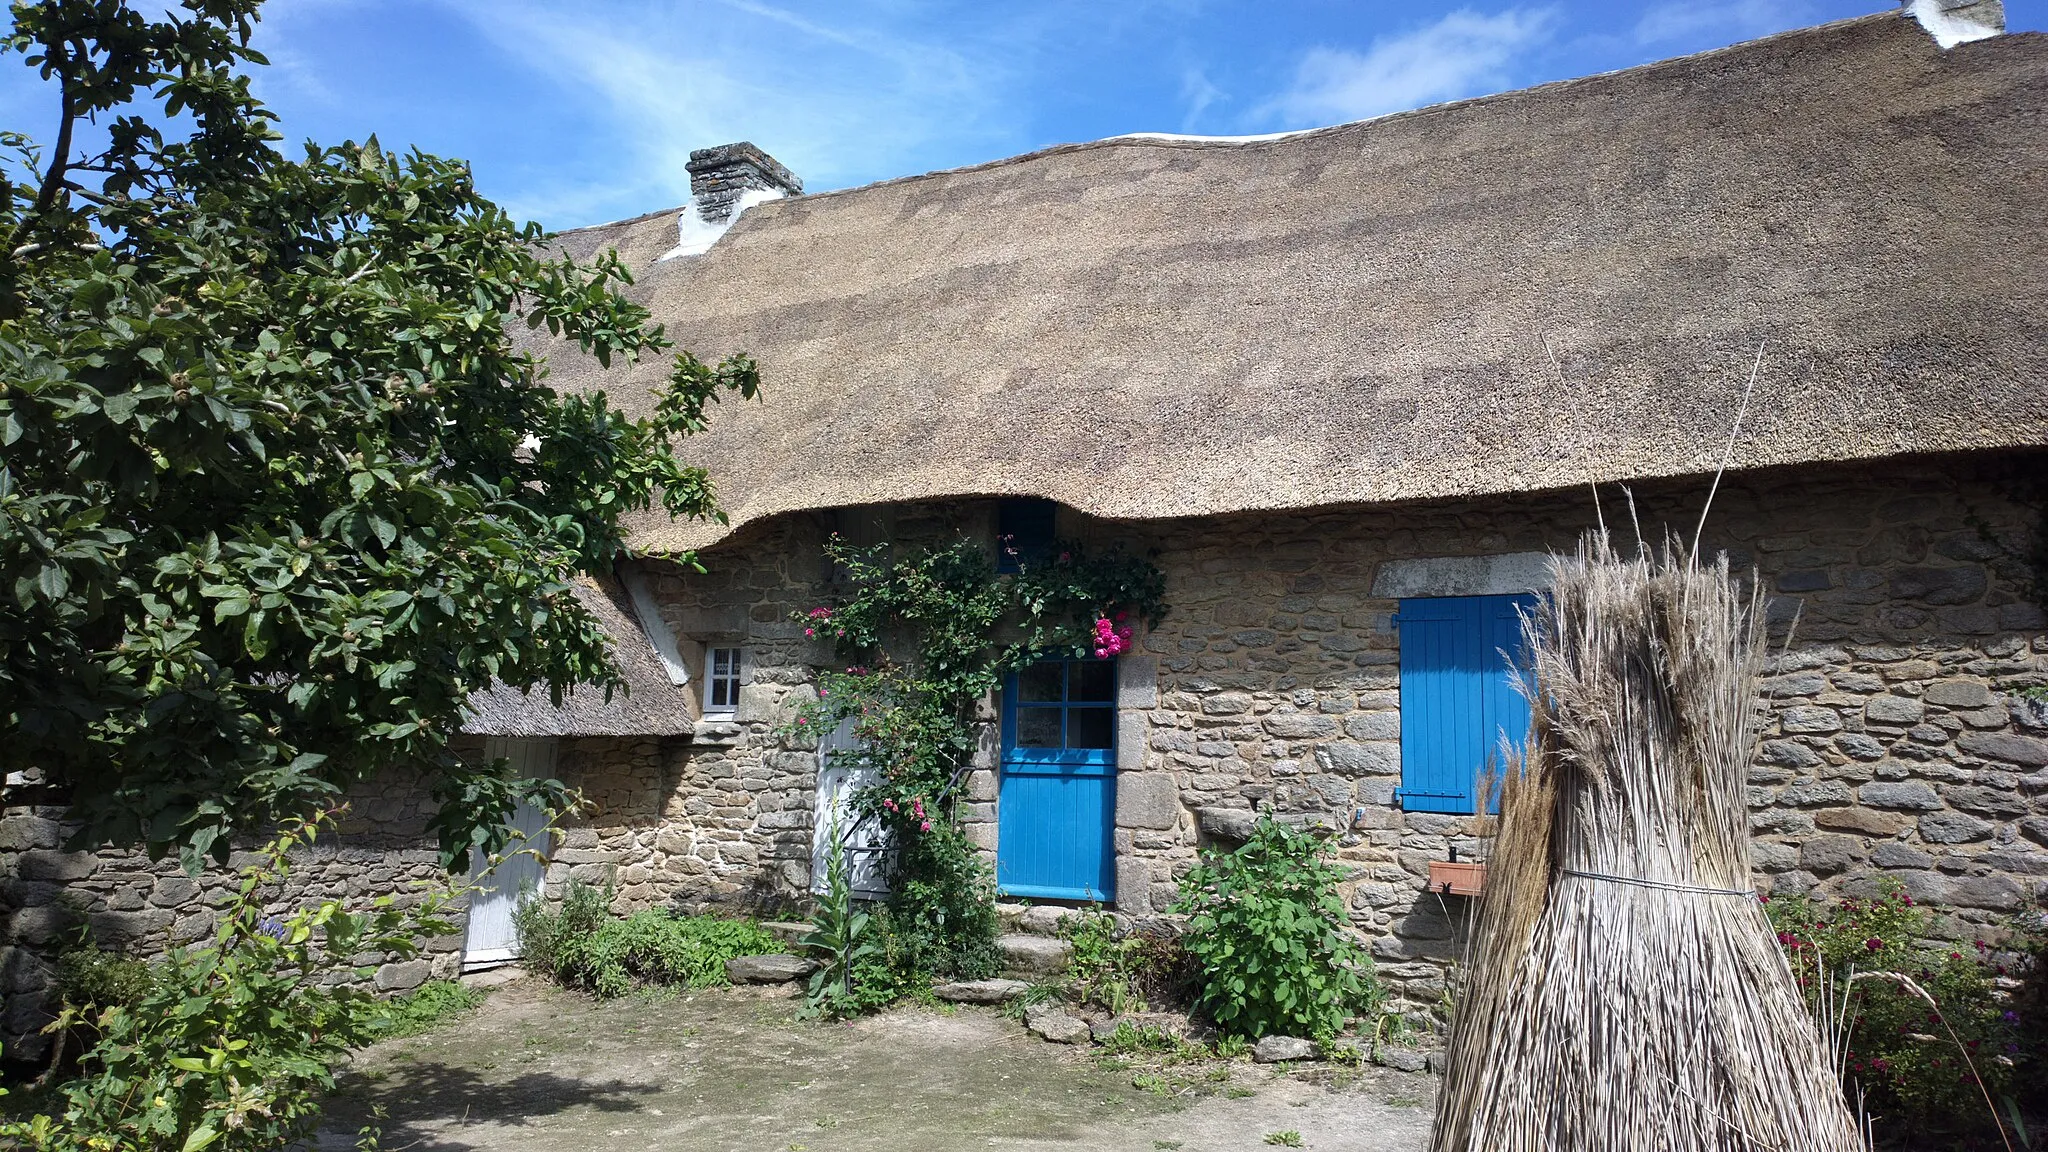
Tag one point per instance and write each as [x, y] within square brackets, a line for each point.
[1902, 1053]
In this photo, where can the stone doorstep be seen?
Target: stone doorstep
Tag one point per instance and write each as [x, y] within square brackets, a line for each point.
[1053, 1022]
[1031, 956]
[787, 931]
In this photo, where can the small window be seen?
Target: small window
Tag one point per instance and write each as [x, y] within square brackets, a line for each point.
[1023, 533]
[721, 679]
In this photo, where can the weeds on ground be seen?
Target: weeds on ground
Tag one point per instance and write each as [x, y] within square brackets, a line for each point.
[581, 945]
[428, 1007]
[1130, 973]
[1286, 1139]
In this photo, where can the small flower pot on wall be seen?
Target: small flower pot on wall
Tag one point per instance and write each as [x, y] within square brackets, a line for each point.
[1456, 879]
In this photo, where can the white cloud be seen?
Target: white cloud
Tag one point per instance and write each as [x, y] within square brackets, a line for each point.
[1463, 54]
[825, 100]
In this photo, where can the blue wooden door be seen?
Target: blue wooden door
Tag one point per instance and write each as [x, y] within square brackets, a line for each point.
[1057, 805]
[1457, 700]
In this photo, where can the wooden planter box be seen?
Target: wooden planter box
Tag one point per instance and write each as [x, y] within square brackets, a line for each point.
[1460, 879]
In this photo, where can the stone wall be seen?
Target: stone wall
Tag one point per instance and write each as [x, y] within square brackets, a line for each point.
[140, 907]
[380, 846]
[1900, 743]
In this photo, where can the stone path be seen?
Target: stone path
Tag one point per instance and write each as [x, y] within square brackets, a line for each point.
[542, 1070]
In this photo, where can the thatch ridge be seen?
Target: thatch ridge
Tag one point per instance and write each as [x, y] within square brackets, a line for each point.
[1357, 315]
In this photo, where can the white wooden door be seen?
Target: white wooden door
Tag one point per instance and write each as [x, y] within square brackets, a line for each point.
[491, 939]
[866, 841]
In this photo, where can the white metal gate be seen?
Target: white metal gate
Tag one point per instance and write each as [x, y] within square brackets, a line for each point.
[866, 841]
[491, 939]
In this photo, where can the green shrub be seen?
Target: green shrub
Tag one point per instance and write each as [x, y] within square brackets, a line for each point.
[548, 935]
[90, 979]
[582, 946]
[1267, 931]
[1898, 1049]
[230, 1045]
[427, 1007]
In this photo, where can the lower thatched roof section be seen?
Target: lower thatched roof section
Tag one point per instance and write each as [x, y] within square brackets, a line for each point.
[650, 705]
[1152, 328]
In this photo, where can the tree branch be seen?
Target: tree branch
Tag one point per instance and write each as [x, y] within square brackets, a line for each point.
[60, 156]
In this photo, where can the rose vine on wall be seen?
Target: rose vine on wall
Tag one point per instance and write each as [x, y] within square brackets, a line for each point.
[925, 637]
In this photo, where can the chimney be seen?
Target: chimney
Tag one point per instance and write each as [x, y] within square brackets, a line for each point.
[1953, 22]
[720, 176]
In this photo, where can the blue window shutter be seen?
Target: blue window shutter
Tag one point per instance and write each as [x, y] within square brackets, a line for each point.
[1457, 697]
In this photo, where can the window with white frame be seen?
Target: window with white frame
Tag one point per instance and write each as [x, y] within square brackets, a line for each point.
[721, 679]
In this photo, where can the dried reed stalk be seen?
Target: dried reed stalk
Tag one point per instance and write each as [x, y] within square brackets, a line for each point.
[1626, 991]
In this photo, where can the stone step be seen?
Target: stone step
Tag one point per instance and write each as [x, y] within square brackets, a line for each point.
[1034, 919]
[787, 931]
[773, 968]
[980, 991]
[1033, 957]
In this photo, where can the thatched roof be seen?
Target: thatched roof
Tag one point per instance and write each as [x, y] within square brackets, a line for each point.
[1149, 328]
[651, 705]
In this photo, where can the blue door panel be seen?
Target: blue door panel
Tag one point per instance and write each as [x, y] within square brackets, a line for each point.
[1457, 697]
[1053, 832]
[1056, 807]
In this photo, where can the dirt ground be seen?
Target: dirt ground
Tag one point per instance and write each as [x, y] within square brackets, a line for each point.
[537, 1069]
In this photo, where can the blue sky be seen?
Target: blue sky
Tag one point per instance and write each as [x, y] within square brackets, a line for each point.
[578, 111]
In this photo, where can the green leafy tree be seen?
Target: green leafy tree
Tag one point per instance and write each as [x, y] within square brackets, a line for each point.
[280, 486]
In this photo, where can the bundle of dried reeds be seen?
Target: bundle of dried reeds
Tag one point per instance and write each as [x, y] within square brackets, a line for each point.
[1625, 990]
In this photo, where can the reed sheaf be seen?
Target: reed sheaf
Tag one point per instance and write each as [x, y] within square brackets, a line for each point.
[1625, 990]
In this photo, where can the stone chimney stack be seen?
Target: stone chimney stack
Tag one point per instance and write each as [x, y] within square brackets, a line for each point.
[720, 176]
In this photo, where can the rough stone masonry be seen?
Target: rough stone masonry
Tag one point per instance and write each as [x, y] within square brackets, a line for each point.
[1905, 739]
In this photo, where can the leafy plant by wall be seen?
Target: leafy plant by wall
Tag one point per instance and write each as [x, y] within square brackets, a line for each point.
[840, 939]
[232, 1044]
[1919, 1065]
[926, 635]
[1267, 929]
[583, 946]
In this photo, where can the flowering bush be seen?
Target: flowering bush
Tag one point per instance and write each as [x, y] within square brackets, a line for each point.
[1112, 639]
[1901, 1052]
[926, 636]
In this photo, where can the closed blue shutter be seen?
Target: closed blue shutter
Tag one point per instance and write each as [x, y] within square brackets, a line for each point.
[1457, 697]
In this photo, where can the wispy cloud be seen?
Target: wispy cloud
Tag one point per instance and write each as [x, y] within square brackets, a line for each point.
[1463, 54]
[826, 99]
[1197, 94]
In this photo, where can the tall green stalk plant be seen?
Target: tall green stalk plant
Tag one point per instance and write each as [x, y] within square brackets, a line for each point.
[839, 939]
[926, 636]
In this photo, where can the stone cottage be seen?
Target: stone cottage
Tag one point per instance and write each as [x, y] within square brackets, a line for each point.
[1348, 388]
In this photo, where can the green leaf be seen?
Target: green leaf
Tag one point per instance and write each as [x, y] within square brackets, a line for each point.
[200, 1138]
